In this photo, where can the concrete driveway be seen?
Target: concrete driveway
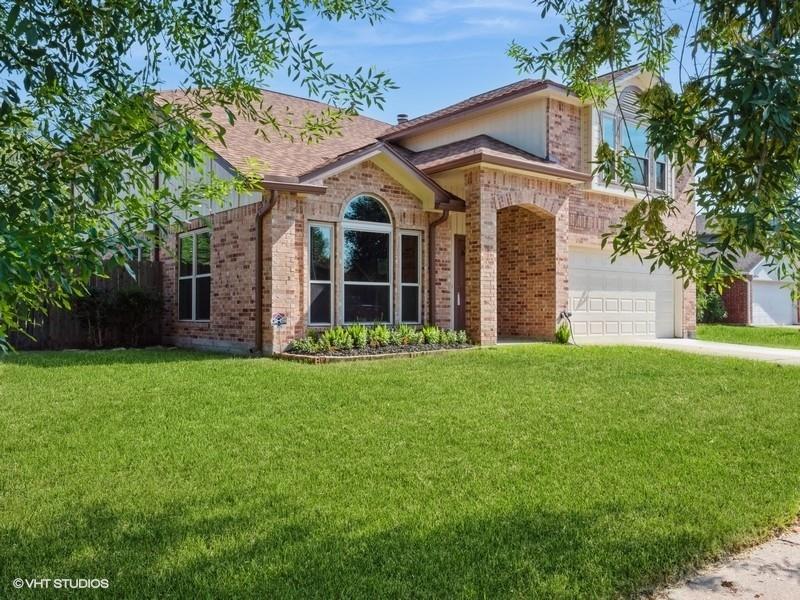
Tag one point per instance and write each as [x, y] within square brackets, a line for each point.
[768, 572]
[774, 355]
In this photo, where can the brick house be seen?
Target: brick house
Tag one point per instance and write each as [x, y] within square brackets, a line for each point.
[483, 215]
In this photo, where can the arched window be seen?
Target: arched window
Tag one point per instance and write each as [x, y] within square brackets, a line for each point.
[367, 261]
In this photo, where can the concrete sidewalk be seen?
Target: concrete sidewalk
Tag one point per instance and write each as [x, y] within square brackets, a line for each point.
[770, 571]
[775, 355]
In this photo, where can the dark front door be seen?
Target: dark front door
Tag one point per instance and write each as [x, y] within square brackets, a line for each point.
[459, 282]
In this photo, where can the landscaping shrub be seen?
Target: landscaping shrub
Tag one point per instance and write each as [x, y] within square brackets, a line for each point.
[124, 317]
[431, 334]
[710, 307]
[361, 339]
[359, 335]
[379, 336]
[563, 333]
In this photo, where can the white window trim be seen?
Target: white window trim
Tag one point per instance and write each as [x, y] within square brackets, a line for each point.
[332, 228]
[418, 285]
[387, 228]
[194, 276]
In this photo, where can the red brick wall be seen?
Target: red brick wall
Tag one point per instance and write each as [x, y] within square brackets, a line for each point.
[736, 299]
[232, 322]
[232, 285]
[526, 273]
[564, 134]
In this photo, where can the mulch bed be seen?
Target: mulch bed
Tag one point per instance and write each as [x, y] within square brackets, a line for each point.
[372, 353]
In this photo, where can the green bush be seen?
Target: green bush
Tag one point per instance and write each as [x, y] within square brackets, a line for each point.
[431, 334]
[336, 339]
[379, 336]
[710, 307]
[127, 316]
[306, 345]
[404, 335]
[359, 337]
[562, 333]
[359, 334]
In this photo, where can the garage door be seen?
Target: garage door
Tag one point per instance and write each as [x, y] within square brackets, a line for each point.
[772, 303]
[621, 299]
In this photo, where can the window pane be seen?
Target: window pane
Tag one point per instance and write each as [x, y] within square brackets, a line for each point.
[203, 290]
[410, 299]
[639, 168]
[366, 256]
[661, 175]
[635, 138]
[366, 303]
[409, 259]
[186, 255]
[320, 312]
[185, 299]
[365, 208]
[204, 253]
[320, 254]
[609, 131]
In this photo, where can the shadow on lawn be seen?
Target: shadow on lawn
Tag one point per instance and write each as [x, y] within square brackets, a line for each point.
[124, 356]
[273, 550]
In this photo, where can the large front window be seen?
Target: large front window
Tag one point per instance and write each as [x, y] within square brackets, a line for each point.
[194, 276]
[647, 169]
[367, 261]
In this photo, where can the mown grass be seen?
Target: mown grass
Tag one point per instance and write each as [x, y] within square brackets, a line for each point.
[775, 337]
[541, 471]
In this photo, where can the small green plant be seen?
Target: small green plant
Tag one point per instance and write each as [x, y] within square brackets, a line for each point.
[462, 337]
[448, 337]
[562, 333]
[404, 335]
[431, 334]
[336, 339]
[306, 345]
[359, 334]
[379, 336]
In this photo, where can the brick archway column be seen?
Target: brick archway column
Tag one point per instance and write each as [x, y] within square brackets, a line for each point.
[561, 261]
[481, 261]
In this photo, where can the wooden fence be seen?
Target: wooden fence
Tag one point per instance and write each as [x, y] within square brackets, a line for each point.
[59, 329]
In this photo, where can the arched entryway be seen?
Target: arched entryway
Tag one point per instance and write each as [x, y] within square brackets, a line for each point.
[526, 272]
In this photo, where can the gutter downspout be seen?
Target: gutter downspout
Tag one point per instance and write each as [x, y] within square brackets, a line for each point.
[263, 210]
[431, 277]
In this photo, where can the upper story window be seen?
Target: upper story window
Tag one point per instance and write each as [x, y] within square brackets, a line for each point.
[367, 261]
[194, 276]
[624, 130]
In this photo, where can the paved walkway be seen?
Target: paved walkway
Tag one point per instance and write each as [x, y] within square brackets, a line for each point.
[775, 355]
[767, 572]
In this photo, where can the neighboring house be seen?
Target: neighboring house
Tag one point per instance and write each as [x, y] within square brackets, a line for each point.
[759, 297]
[483, 215]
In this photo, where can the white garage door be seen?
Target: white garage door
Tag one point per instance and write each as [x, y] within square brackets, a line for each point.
[621, 299]
[772, 303]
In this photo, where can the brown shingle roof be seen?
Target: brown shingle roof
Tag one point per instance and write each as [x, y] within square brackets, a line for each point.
[506, 92]
[484, 148]
[283, 157]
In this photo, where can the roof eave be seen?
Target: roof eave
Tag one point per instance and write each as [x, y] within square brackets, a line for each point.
[481, 157]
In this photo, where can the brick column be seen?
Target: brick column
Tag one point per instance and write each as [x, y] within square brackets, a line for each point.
[562, 258]
[481, 260]
[284, 290]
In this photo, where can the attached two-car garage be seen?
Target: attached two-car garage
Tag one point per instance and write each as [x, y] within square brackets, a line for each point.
[622, 299]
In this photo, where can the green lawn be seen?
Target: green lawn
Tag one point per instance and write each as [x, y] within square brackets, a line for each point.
[531, 471]
[776, 337]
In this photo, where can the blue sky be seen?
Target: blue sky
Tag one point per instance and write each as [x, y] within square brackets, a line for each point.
[437, 51]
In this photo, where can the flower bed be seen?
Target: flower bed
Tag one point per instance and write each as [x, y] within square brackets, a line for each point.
[360, 340]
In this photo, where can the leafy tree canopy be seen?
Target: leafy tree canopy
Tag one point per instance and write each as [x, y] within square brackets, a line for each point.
[80, 138]
[734, 118]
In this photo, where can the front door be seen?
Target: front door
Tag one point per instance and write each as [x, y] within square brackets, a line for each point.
[459, 282]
